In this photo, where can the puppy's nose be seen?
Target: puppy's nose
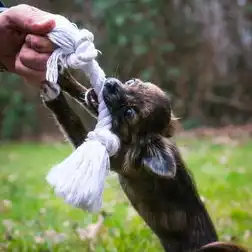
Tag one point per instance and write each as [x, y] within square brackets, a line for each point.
[111, 84]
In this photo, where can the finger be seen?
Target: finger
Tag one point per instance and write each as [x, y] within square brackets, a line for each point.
[32, 59]
[30, 19]
[39, 44]
[28, 73]
[41, 27]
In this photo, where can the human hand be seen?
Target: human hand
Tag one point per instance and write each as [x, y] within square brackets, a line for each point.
[24, 54]
[32, 58]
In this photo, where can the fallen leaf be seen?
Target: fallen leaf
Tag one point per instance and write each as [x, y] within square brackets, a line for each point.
[55, 237]
[9, 224]
[5, 205]
[247, 234]
[92, 230]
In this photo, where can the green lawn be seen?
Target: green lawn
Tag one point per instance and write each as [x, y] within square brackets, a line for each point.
[33, 219]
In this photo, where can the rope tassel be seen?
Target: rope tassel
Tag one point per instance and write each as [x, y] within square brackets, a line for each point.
[80, 178]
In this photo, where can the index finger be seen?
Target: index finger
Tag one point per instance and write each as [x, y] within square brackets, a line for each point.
[30, 19]
[40, 44]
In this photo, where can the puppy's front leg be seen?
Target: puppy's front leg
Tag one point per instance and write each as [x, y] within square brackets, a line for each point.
[68, 121]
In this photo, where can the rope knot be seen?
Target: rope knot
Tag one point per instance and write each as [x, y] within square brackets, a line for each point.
[80, 178]
[84, 51]
[106, 138]
[76, 48]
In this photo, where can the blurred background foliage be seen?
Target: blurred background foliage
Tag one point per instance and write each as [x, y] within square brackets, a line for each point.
[199, 51]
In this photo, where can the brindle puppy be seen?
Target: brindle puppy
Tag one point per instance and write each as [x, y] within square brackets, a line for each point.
[151, 170]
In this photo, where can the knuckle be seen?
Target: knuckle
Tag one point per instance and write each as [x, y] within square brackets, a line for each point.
[23, 6]
[35, 42]
[19, 69]
[19, 7]
[25, 54]
[34, 60]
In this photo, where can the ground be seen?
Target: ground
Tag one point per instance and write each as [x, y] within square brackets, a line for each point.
[32, 218]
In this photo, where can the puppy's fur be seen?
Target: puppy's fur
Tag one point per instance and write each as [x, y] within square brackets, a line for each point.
[151, 170]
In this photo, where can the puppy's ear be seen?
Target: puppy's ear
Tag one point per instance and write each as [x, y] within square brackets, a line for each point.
[158, 157]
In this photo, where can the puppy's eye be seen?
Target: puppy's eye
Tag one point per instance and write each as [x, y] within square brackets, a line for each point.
[129, 113]
[130, 82]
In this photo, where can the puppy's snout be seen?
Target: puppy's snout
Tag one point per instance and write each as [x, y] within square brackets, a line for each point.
[112, 84]
[113, 93]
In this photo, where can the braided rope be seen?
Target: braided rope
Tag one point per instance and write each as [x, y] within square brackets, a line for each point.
[80, 178]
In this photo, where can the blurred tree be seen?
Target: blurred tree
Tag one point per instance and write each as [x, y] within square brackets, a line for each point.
[197, 50]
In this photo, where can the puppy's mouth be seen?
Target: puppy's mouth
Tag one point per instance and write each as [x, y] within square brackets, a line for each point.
[85, 96]
[90, 100]
[113, 94]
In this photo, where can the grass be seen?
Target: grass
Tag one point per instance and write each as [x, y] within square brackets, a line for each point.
[32, 218]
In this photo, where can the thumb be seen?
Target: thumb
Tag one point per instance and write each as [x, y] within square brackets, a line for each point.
[30, 19]
[41, 27]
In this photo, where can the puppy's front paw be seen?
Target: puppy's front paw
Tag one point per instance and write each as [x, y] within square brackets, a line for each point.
[90, 99]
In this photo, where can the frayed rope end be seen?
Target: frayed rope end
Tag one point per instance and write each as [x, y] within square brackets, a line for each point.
[80, 178]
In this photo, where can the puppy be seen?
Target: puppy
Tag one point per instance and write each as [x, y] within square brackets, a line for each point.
[151, 170]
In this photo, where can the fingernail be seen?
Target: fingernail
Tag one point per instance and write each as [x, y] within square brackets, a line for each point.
[28, 40]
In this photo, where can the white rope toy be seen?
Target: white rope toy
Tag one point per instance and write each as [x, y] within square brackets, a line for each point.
[80, 178]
